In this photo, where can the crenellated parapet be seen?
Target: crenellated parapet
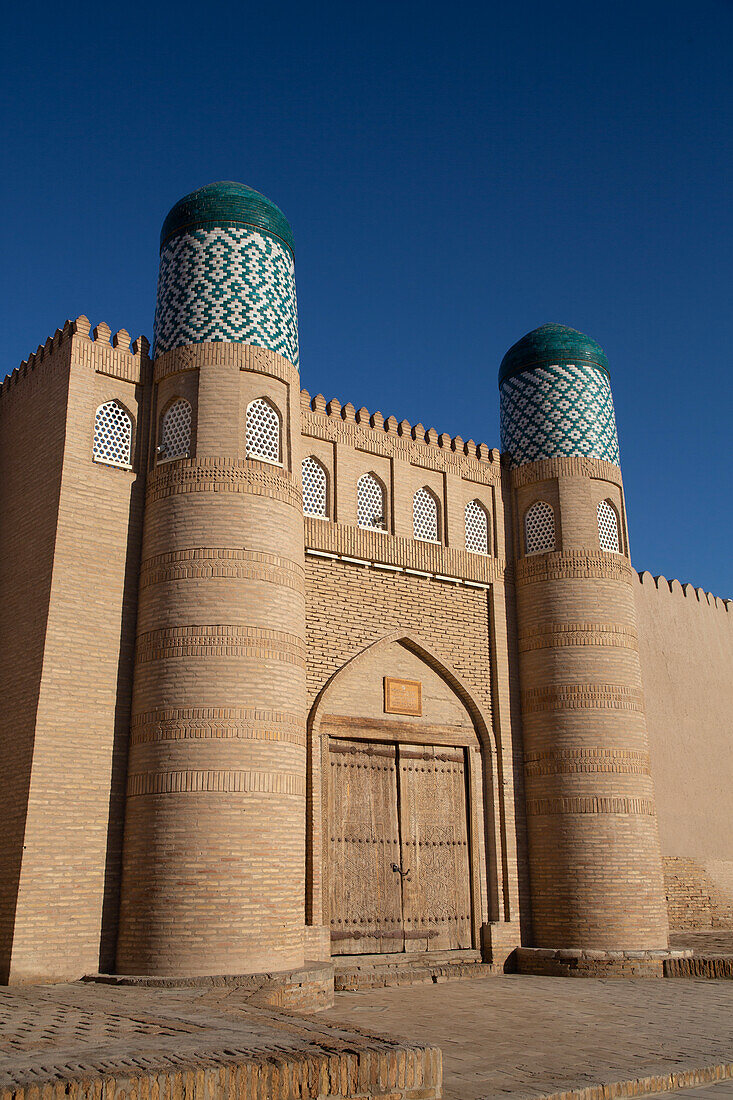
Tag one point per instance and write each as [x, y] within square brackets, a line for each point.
[330, 420]
[116, 355]
[438, 499]
[685, 591]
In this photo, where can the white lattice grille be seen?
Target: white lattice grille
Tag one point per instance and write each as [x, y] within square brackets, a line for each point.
[370, 503]
[112, 435]
[608, 527]
[175, 430]
[263, 431]
[425, 516]
[477, 528]
[539, 528]
[314, 488]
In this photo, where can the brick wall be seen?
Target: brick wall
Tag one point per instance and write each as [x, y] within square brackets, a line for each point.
[32, 431]
[686, 650]
[66, 894]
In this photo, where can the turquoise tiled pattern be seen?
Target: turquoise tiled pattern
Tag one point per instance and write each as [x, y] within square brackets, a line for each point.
[227, 283]
[558, 411]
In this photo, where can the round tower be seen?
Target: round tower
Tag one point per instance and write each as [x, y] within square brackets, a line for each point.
[213, 864]
[595, 866]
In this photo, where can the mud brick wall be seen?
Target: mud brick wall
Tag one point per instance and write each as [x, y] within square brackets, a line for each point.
[686, 650]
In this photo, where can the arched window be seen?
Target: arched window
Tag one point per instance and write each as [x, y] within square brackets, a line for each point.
[539, 528]
[113, 435]
[608, 532]
[425, 515]
[314, 488]
[370, 507]
[175, 430]
[263, 431]
[477, 528]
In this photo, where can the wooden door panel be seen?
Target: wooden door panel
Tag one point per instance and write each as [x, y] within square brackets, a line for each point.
[364, 892]
[434, 846]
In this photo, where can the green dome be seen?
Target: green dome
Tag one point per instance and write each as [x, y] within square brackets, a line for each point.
[551, 344]
[227, 204]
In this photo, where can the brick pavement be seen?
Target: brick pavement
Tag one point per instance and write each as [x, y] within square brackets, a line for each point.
[519, 1036]
[193, 1042]
[511, 1036]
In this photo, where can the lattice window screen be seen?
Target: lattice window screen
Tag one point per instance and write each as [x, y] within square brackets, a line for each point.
[608, 535]
[263, 431]
[477, 528]
[371, 503]
[539, 528]
[425, 516]
[314, 488]
[175, 430]
[112, 435]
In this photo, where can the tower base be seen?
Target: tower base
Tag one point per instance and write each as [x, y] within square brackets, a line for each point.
[307, 989]
[575, 962]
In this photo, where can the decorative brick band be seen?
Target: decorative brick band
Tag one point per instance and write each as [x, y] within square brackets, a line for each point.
[574, 466]
[581, 697]
[590, 804]
[580, 761]
[426, 557]
[220, 475]
[220, 641]
[198, 781]
[249, 723]
[220, 561]
[226, 354]
[549, 635]
[574, 565]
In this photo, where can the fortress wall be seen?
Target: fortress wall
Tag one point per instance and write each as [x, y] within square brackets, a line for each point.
[686, 650]
[365, 585]
[74, 803]
[33, 402]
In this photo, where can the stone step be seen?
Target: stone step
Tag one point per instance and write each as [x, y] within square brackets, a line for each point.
[375, 971]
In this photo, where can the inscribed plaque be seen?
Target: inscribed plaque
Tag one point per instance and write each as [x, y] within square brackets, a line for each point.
[402, 696]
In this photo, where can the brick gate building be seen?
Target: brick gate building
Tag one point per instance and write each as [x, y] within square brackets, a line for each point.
[284, 680]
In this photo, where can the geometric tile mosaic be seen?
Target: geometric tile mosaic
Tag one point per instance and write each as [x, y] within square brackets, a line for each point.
[226, 283]
[558, 411]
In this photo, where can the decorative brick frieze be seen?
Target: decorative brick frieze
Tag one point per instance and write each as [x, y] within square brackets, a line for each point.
[199, 781]
[220, 641]
[573, 565]
[591, 804]
[182, 723]
[550, 635]
[244, 356]
[425, 557]
[221, 561]
[582, 696]
[546, 469]
[581, 761]
[373, 435]
[219, 475]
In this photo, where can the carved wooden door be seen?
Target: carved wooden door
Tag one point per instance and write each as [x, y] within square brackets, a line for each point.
[365, 894]
[436, 901]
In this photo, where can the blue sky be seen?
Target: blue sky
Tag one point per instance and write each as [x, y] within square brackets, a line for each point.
[455, 176]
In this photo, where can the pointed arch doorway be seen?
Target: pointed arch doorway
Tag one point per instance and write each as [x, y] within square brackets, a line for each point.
[402, 808]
